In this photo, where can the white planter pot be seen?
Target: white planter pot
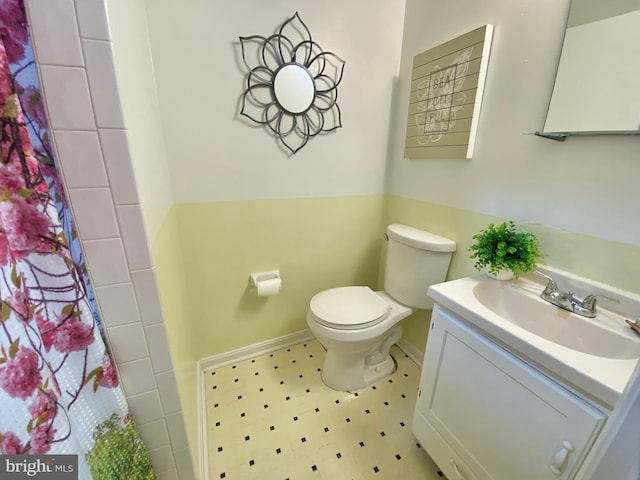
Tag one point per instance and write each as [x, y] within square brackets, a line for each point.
[500, 275]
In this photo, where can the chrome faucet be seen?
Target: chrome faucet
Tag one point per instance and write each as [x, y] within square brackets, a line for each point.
[568, 301]
[555, 296]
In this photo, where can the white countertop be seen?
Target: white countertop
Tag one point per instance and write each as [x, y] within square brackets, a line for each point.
[599, 378]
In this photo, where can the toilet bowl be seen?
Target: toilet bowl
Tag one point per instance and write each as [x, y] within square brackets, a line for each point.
[357, 326]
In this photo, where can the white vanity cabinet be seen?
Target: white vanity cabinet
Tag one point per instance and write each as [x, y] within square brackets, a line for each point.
[483, 413]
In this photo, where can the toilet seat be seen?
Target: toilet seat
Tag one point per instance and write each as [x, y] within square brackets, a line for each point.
[349, 308]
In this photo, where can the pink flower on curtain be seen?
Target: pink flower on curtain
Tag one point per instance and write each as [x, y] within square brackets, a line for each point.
[19, 302]
[13, 21]
[10, 444]
[72, 335]
[10, 181]
[45, 406]
[15, 144]
[21, 375]
[109, 377]
[41, 438]
[25, 228]
[47, 331]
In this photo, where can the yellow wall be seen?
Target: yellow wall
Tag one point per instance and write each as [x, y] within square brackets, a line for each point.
[174, 298]
[316, 243]
[205, 252]
[605, 261]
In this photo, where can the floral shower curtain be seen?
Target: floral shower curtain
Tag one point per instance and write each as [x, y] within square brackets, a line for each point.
[59, 391]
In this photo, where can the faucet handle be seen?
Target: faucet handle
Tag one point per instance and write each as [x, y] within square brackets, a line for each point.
[587, 307]
[590, 300]
[552, 286]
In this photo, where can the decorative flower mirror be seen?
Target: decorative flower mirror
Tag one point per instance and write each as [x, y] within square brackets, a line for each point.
[291, 84]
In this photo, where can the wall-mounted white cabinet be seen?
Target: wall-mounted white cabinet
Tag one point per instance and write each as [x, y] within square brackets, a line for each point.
[483, 413]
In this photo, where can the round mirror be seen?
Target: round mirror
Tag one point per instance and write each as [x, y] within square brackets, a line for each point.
[281, 91]
[294, 88]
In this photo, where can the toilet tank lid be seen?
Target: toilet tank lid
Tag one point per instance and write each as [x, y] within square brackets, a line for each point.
[416, 238]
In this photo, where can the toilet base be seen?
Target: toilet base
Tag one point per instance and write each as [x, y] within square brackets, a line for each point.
[352, 371]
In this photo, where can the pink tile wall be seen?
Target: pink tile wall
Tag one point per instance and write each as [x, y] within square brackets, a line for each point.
[73, 49]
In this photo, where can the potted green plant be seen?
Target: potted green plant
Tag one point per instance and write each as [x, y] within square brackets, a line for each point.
[500, 249]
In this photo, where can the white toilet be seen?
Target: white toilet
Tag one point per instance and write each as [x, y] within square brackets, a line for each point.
[358, 326]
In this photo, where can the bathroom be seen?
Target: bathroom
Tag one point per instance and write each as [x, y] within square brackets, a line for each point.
[219, 198]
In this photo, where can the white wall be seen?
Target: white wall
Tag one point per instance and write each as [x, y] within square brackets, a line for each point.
[587, 185]
[215, 155]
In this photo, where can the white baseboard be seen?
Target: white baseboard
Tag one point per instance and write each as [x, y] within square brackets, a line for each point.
[216, 361]
[414, 354]
[227, 358]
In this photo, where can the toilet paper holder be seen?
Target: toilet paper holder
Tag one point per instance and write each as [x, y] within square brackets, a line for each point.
[267, 284]
[262, 276]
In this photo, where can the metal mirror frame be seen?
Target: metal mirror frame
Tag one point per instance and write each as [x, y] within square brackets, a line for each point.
[292, 116]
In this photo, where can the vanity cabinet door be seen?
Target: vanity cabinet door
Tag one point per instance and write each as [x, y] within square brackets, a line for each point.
[502, 418]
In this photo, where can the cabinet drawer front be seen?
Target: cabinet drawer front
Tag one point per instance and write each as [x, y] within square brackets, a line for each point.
[506, 419]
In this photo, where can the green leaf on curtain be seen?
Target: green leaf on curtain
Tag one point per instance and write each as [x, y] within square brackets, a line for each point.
[15, 278]
[34, 99]
[41, 419]
[5, 312]
[47, 160]
[97, 373]
[62, 239]
[13, 348]
[26, 193]
[69, 311]
[10, 109]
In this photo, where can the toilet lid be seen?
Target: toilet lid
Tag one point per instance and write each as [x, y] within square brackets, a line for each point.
[349, 307]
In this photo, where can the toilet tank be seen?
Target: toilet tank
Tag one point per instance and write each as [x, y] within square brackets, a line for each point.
[415, 260]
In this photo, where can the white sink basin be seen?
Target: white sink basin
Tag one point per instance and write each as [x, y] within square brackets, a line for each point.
[596, 356]
[539, 317]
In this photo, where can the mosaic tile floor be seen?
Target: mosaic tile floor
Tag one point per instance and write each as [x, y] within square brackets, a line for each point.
[272, 418]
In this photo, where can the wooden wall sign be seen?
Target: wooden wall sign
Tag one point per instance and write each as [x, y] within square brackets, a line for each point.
[446, 91]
